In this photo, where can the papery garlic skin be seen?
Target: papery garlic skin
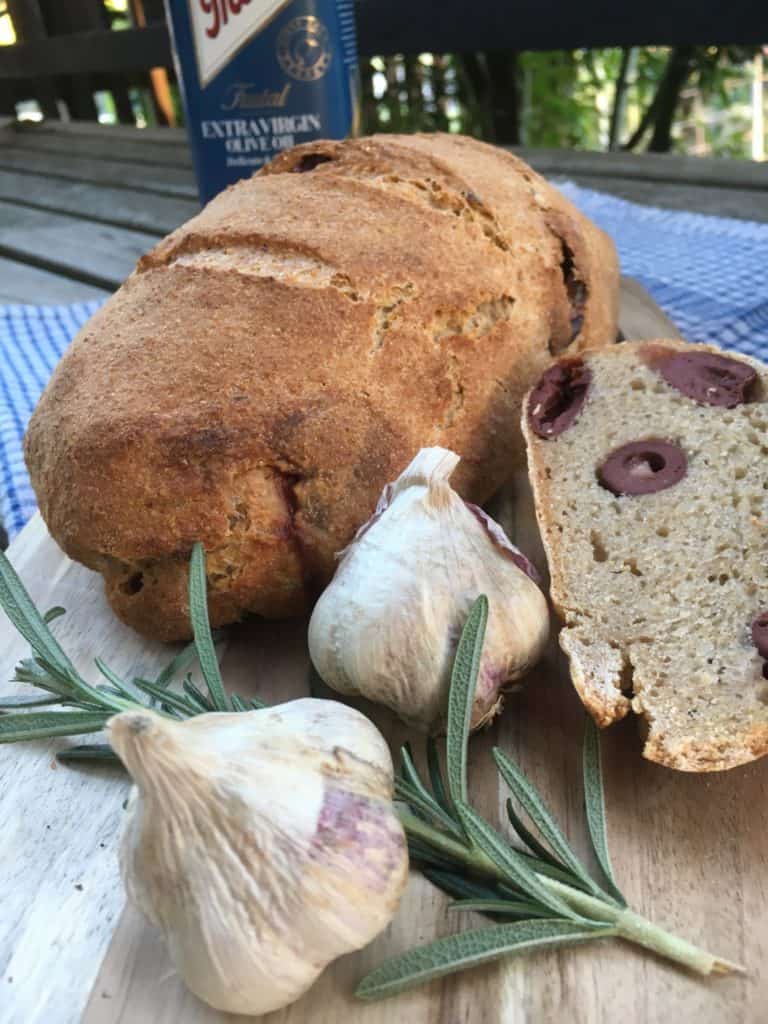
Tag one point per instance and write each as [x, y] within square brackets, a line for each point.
[264, 844]
[387, 626]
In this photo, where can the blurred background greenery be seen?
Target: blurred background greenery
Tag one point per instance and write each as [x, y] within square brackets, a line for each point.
[690, 99]
[702, 100]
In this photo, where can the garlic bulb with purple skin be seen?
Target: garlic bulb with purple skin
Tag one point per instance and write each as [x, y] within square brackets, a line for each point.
[264, 844]
[387, 626]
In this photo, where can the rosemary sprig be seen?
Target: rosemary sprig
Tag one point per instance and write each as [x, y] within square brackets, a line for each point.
[85, 707]
[544, 894]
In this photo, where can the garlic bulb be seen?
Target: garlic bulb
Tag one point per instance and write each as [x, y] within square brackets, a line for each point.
[387, 626]
[264, 844]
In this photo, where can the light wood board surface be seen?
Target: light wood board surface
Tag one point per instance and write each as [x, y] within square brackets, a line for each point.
[689, 851]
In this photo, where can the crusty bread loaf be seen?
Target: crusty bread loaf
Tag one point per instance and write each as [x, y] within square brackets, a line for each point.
[658, 551]
[273, 362]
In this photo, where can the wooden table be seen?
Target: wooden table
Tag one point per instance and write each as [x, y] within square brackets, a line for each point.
[689, 851]
[80, 202]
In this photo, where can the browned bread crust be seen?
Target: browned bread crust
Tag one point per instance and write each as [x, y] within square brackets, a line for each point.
[658, 591]
[274, 361]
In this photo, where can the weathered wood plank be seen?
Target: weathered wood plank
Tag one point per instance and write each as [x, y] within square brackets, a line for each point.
[163, 136]
[22, 283]
[744, 203]
[94, 253]
[140, 211]
[58, 828]
[660, 167]
[128, 150]
[168, 181]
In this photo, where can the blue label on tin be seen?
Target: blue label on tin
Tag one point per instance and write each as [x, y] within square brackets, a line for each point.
[260, 76]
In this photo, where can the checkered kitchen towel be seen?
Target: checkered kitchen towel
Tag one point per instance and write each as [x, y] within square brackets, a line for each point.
[708, 274]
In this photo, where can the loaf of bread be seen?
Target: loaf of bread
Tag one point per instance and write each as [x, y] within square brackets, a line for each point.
[649, 464]
[276, 360]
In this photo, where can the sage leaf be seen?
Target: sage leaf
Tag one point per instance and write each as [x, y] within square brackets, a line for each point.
[469, 949]
[466, 665]
[594, 800]
[201, 627]
[511, 863]
[542, 818]
[33, 725]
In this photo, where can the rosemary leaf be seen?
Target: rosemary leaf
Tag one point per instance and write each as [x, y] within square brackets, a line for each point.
[30, 671]
[201, 627]
[511, 908]
[168, 698]
[436, 775]
[543, 867]
[511, 863]
[427, 855]
[458, 885]
[84, 692]
[16, 703]
[182, 661]
[118, 685]
[238, 704]
[88, 752]
[54, 613]
[529, 838]
[19, 608]
[594, 800]
[425, 808]
[256, 704]
[470, 948]
[426, 801]
[466, 665]
[196, 696]
[542, 817]
[33, 725]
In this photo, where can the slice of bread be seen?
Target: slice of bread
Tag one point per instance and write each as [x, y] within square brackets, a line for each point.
[649, 465]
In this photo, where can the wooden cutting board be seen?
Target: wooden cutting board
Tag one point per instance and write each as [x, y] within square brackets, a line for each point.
[689, 851]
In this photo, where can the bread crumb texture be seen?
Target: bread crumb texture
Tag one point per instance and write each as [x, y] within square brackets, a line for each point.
[276, 360]
[658, 591]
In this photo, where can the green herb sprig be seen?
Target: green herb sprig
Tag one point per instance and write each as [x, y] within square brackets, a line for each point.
[84, 707]
[542, 893]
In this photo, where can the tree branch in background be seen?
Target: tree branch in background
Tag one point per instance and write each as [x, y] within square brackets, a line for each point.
[503, 72]
[474, 72]
[661, 111]
[628, 59]
[681, 63]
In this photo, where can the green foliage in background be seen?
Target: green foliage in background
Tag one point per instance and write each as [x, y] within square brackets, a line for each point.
[692, 99]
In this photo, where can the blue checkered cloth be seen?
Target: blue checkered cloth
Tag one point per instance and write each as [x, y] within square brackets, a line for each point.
[707, 273]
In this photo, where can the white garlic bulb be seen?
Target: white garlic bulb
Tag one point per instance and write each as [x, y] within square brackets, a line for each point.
[387, 626]
[264, 844]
